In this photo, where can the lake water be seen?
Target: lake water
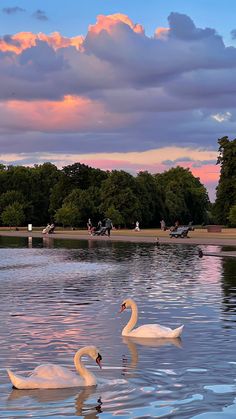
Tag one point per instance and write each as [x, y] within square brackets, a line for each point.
[57, 296]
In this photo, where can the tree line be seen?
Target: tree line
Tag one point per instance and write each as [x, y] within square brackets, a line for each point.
[71, 195]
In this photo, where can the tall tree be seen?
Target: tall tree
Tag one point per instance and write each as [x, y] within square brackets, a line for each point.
[119, 191]
[185, 198]
[10, 197]
[59, 192]
[226, 189]
[82, 176]
[150, 199]
[67, 215]
[13, 215]
[84, 202]
[232, 216]
[42, 180]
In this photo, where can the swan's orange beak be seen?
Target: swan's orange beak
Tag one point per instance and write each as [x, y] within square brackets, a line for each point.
[98, 360]
[123, 307]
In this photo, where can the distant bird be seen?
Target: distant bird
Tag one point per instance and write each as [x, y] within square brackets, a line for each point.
[200, 253]
[146, 330]
[55, 376]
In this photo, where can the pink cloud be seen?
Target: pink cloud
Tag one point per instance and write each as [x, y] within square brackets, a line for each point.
[162, 33]
[108, 23]
[207, 174]
[24, 40]
[71, 114]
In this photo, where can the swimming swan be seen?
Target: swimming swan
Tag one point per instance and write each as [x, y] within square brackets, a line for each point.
[55, 376]
[147, 330]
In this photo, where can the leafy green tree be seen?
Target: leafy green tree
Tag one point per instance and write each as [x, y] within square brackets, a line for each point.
[3, 178]
[176, 205]
[185, 198]
[77, 176]
[67, 215]
[10, 197]
[150, 199]
[232, 216]
[59, 192]
[119, 190]
[42, 180]
[18, 179]
[13, 215]
[83, 177]
[85, 203]
[34, 184]
[115, 216]
[226, 189]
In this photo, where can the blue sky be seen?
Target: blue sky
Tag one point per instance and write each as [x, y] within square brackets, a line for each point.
[148, 85]
[72, 17]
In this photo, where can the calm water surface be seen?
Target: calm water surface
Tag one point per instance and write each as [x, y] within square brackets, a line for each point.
[57, 296]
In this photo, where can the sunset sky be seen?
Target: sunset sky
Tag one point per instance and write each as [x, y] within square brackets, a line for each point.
[118, 84]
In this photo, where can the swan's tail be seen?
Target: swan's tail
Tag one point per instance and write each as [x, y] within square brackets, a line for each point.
[176, 333]
[14, 379]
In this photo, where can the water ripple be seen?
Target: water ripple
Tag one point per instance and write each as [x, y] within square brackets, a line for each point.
[55, 300]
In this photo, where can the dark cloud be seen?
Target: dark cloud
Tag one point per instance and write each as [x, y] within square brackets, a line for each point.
[201, 163]
[195, 163]
[12, 10]
[176, 161]
[42, 59]
[182, 27]
[9, 40]
[40, 15]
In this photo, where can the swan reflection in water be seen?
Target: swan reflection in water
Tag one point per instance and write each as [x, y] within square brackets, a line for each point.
[132, 343]
[90, 410]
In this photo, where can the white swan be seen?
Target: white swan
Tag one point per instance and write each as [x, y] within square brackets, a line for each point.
[55, 376]
[147, 330]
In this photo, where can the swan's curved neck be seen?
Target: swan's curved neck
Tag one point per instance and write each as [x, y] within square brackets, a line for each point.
[133, 319]
[87, 375]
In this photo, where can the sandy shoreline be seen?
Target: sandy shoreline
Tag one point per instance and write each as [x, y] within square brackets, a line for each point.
[200, 237]
[197, 237]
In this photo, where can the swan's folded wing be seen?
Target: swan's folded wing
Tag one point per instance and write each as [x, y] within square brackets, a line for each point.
[151, 330]
[46, 376]
[21, 382]
[50, 371]
[158, 331]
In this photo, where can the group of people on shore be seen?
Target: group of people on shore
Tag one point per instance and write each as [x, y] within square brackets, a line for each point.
[175, 226]
[103, 228]
[172, 228]
[106, 226]
[163, 225]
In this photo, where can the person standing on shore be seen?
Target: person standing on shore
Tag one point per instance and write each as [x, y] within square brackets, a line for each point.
[163, 225]
[109, 226]
[137, 226]
[89, 226]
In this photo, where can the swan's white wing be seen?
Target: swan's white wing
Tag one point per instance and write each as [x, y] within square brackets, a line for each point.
[152, 330]
[51, 371]
[36, 381]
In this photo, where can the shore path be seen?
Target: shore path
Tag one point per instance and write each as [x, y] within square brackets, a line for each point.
[227, 237]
